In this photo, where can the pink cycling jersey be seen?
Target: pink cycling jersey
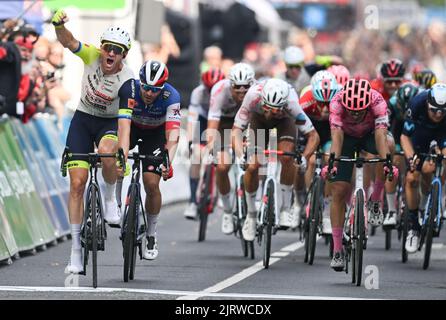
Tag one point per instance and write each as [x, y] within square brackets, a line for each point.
[375, 118]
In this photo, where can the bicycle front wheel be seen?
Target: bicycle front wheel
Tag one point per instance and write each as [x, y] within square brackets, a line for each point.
[129, 235]
[433, 210]
[205, 198]
[405, 230]
[94, 235]
[268, 221]
[358, 237]
[314, 219]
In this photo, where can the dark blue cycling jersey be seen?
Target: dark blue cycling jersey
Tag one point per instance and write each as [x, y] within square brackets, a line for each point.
[420, 128]
[164, 110]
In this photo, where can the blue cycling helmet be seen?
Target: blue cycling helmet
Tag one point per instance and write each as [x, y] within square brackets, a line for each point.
[324, 86]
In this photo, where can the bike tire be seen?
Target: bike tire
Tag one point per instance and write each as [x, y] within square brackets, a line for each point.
[85, 239]
[405, 231]
[314, 217]
[203, 204]
[129, 234]
[360, 236]
[388, 233]
[268, 221]
[242, 210]
[252, 254]
[433, 210]
[94, 236]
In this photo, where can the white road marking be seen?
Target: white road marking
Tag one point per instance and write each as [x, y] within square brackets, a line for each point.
[166, 292]
[244, 273]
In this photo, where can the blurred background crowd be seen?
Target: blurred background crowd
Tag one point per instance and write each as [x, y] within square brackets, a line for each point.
[38, 75]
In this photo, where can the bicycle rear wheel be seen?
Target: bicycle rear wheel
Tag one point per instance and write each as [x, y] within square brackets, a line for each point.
[205, 198]
[433, 210]
[268, 223]
[359, 237]
[86, 230]
[314, 219]
[129, 233]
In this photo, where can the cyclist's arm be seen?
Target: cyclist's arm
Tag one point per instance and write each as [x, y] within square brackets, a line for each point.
[173, 121]
[212, 134]
[381, 142]
[407, 146]
[66, 38]
[337, 139]
[193, 114]
[237, 141]
[312, 144]
[126, 104]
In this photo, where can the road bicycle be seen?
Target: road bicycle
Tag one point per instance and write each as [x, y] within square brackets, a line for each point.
[93, 233]
[134, 221]
[355, 226]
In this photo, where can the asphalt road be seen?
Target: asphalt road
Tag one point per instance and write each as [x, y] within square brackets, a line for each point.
[215, 269]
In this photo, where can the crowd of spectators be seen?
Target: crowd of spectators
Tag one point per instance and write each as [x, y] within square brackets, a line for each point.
[31, 73]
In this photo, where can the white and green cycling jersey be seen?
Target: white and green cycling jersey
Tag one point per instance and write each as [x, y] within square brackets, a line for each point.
[99, 92]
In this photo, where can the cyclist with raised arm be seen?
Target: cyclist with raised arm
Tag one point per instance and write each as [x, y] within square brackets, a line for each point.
[95, 120]
[315, 100]
[358, 120]
[197, 121]
[226, 98]
[425, 121]
[397, 107]
[156, 121]
[267, 105]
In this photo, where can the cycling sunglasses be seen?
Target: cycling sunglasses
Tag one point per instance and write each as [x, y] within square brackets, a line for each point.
[395, 81]
[241, 86]
[437, 110]
[296, 66]
[117, 49]
[148, 87]
[273, 110]
[355, 113]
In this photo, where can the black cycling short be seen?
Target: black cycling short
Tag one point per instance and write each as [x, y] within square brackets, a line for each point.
[153, 143]
[85, 131]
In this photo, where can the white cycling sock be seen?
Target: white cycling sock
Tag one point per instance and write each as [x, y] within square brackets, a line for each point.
[251, 203]
[391, 201]
[75, 236]
[152, 220]
[109, 193]
[226, 199]
[287, 193]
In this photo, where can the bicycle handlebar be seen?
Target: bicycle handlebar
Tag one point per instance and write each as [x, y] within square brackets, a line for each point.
[92, 157]
[361, 160]
[296, 155]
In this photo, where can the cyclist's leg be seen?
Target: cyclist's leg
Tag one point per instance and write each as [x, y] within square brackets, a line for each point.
[79, 140]
[340, 190]
[390, 187]
[286, 135]
[107, 142]
[151, 179]
[411, 188]
[251, 182]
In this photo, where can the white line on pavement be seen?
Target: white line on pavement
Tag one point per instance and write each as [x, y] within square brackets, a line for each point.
[243, 274]
[166, 292]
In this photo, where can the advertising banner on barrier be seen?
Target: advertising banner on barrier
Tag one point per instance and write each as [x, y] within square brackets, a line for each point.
[18, 174]
[14, 212]
[8, 247]
[47, 189]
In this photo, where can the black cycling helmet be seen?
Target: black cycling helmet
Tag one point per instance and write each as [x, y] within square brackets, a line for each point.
[406, 92]
[393, 69]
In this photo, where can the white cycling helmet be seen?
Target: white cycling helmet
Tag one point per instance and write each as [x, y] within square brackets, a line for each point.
[437, 95]
[241, 74]
[293, 56]
[117, 35]
[275, 93]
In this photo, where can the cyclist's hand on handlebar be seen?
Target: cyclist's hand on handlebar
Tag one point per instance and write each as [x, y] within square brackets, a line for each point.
[59, 18]
[327, 175]
[413, 162]
[166, 173]
[395, 172]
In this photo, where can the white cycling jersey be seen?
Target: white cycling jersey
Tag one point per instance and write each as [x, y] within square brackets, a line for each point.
[222, 104]
[199, 102]
[99, 92]
[253, 103]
